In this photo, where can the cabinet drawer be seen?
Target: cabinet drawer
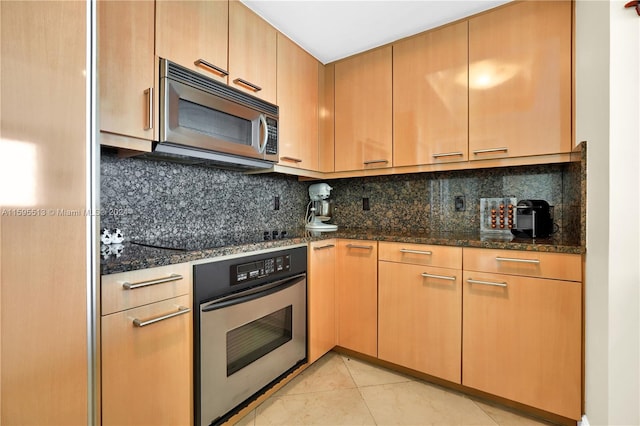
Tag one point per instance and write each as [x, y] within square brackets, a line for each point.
[558, 266]
[421, 254]
[130, 289]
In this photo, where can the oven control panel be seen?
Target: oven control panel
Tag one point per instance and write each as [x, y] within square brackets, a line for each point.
[247, 272]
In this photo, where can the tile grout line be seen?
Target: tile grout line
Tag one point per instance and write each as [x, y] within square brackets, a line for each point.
[358, 388]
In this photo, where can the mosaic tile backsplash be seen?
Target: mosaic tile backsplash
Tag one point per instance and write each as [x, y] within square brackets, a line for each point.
[150, 198]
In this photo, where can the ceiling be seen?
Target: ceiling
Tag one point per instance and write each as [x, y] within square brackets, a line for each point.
[332, 29]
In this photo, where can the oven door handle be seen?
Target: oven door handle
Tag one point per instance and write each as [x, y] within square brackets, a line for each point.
[251, 294]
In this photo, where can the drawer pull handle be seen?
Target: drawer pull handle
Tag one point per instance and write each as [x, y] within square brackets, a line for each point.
[324, 247]
[472, 281]
[375, 161]
[448, 154]
[486, 151]
[439, 277]
[243, 82]
[181, 311]
[509, 259]
[133, 286]
[359, 246]
[209, 65]
[292, 159]
[427, 253]
[149, 93]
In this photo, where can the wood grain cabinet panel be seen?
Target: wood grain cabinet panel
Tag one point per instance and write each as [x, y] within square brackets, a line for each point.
[126, 71]
[298, 102]
[191, 31]
[430, 97]
[522, 340]
[520, 80]
[147, 371]
[357, 295]
[420, 318]
[363, 111]
[252, 53]
[421, 254]
[321, 295]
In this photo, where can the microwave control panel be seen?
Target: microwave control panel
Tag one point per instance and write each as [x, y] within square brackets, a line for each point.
[272, 138]
[247, 272]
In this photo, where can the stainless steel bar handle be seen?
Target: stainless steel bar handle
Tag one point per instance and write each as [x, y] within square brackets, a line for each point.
[359, 246]
[215, 68]
[295, 160]
[425, 252]
[244, 82]
[472, 281]
[181, 311]
[509, 259]
[265, 137]
[448, 154]
[484, 151]
[149, 94]
[375, 161]
[324, 247]
[439, 277]
[133, 286]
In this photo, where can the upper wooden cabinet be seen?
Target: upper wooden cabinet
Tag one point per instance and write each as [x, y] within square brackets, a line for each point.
[430, 97]
[126, 69]
[363, 111]
[194, 34]
[298, 103]
[252, 53]
[520, 80]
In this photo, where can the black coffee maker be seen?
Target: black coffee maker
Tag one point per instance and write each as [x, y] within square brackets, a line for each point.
[534, 219]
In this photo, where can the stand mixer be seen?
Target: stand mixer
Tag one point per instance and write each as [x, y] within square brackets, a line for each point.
[318, 209]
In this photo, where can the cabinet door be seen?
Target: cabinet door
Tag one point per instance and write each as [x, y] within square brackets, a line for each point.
[298, 103]
[194, 34]
[147, 371]
[252, 53]
[420, 318]
[363, 113]
[522, 340]
[321, 298]
[430, 97]
[357, 296]
[520, 80]
[126, 68]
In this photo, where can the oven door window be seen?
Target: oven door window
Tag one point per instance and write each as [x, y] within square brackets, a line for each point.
[252, 341]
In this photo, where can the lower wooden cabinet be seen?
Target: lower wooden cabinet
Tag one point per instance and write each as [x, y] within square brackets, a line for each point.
[522, 340]
[419, 318]
[357, 295]
[321, 315]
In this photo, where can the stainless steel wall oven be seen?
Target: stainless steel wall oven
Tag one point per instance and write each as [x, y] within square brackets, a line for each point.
[249, 328]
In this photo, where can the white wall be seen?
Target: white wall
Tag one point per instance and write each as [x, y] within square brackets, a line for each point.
[608, 118]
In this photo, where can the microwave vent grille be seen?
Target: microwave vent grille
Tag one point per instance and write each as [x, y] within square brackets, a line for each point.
[184, 75]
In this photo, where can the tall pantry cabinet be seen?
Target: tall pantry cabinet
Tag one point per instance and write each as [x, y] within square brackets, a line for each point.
[43, 282]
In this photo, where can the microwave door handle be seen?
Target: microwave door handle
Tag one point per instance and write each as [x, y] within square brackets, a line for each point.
[263, 146]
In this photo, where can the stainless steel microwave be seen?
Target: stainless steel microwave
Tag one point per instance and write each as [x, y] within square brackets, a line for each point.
[204, 118]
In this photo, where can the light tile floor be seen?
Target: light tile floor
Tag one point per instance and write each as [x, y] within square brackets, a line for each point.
[339, 390]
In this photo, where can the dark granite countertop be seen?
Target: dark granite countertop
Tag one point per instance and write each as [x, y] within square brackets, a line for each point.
[132, 257]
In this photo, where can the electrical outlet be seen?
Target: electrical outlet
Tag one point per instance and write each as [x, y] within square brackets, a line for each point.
[459, 203]
[276, 203]
[365, 203]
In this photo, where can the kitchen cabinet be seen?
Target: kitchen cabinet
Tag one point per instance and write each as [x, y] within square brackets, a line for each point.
[297, 83]
[194, 34]
[522, 330]
[147, 355]
[420, 308]
[252, 53]
[520, 80]
[44, 368]
[321, 298]
[326, 106]
[430, 97]
[357, 295]
[127, 74]
[363, 111]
